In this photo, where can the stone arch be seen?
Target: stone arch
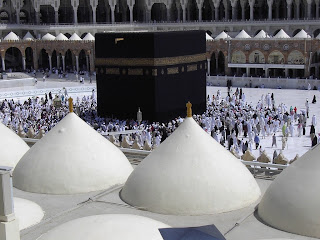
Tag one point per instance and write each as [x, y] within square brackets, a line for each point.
[296, 57]
[13, 59]
[66, 14]
[221, 63]
[276, 57]
[192, 10]
[139, 11]
[84, 12]
[121, 11]
[43, 59]
[257, 56]
[213, 64]
[314, 58]
[238, 57]
[207, 8]
[23, 16]
[158, 12]
[29, 58]
[83, 61]
[69, 60]
[4, 17]
[103, 11]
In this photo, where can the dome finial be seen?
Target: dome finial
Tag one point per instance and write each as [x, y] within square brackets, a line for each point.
[70, 104]
[189, 110]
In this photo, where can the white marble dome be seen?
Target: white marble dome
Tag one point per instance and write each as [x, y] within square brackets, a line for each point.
[12, 147]
[11, 37]
[71, 158]
[61, 37]
[48, 37]
[89, 37]
[28, 213]
[111, 227]
[291, 203]
[190, 174]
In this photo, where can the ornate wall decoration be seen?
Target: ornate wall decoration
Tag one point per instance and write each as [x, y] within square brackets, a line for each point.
[296, 57]
[266, 47]
[135, 71]
[286, 47]
[257, 57]
[276, 57]
[191, 68]
[238, 57]
[173, 70]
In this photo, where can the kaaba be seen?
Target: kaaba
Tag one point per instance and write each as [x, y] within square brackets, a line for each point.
[158, 72]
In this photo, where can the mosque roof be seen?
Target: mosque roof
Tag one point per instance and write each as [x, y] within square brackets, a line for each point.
[71, 158]
[281, 34]
[302, 34]
[208, 37]
[27, 212]
[291, 203]
[222, 35]
[12, 147]
[28, 37]
[89, 37]
[61, 37]
[11, 37]
[262, 34]
[242, 34]
[48, 37]
[75, 37]
[190, 173]
[108, 226]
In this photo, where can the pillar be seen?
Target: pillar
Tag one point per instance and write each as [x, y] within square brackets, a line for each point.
[131, 14]
[289, 7]
[317, 9]
[112, 13]
[286, 72]
[270, 3]
[217, 64]
[94, 14]
[75, 15]
[63, 63]
[183, 12]
[226, 10]
[58, 61]
[92, 66]
[9, 226]
[208, 66]
[56, 16]
[18, 16]
[50, 62]
[297, 9]
[35, 60]
[234, 9]
[37, 17]
[87, 62]
[77, 63]
[309, 8]
[247, 71]
[3, 63]
[266, 72]
[243, 13]
[24, 63]
[216, 13]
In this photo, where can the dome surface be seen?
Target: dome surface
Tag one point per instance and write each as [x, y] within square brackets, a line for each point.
[71, 158]
[281, 34]
[48, 37]
[111, 227]
[89, 37]
[208, 37]
[262, 34]
[291, 203]
[27, 212]
[75, 37]
[190, 173]
[61, 37]
[12, 147]
[11, 37]
[302, 34]
[28, 37]
[242, 34]
[222, 35]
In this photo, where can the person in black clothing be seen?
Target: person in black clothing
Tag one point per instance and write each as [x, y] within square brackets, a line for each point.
[314, 100]
[312, 129]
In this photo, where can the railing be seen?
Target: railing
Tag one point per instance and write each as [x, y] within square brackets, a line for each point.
[289, 83]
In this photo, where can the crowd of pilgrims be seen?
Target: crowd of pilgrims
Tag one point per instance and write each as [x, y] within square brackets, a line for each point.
[230, 120]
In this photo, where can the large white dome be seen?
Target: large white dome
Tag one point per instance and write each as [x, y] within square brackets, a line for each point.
[71, 158]
[12, 147]
[190, 173]
[291, 203]
[111, 227]
[27, 212]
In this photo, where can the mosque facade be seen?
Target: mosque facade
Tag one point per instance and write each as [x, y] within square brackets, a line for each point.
[289, 57]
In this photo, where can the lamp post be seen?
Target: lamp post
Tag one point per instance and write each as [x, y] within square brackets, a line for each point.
[139, 116]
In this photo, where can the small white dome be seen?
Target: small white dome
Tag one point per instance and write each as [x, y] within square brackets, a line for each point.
[302, 34]
[111, 227]
[190, 173]
[61, 37]
[12, 147]
[318, 37]
[11, 37]
[208, 37]
[291, 203]
[89, 37]
[222, 35]
[48, 37]
[28, 37]
[281, 34]
[71, 158]
[75, 37]
[27, 212]
[242, 34]
[262, 34]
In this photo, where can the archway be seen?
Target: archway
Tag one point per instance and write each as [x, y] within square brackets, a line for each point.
[221, 11]
[221, 63]
[103, 11]
[192, 10]
[260, 10]
[4, 17]
[13, 59]
[29, 58]
[213, 65]
[83, 61]
[84, 11]
[121, 11]
[158, 12]
[43, 61]
[23, 16]
[138, 11]
[54, 59]
[207, 10]
[238, 57]
[66, 12]
[69, 61]
[47, 14]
